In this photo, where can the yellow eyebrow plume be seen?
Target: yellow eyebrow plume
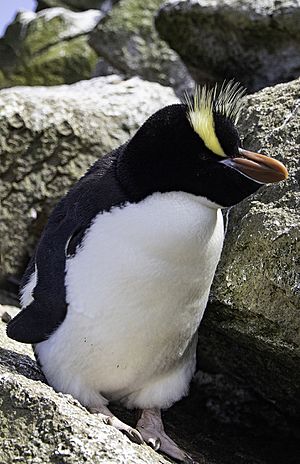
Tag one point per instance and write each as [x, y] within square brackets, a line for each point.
[226, 100]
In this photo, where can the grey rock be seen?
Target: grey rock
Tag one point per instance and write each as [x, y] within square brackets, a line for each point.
[251, 328]
[127, 39]
[8, 312]
[255, 42]
[48, 48]
[39, 425]
[103, 68]
[8, 298]
[77, 5]
[49, 137]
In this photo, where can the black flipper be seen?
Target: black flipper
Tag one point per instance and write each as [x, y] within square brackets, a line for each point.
[98, 191]
[35, 323]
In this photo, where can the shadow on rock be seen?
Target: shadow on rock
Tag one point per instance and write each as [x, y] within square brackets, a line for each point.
[20, 364]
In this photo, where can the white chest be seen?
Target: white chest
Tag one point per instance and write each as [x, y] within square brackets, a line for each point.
[152, 259]
[137, 288]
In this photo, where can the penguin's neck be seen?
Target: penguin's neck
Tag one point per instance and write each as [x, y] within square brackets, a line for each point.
[141, 172]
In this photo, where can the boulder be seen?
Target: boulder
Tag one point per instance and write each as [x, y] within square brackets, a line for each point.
[128, 41]
[255, 42]
[251, 327]
[76, 5]
[48, 48]
[49, 137]
[39, 425]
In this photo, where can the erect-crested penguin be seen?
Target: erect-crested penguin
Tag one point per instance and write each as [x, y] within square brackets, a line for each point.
[115, 292]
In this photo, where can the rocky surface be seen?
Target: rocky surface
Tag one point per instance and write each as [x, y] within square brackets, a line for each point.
[76, 5]
[8, 312]
[255, 42]
[245, 400]
[48, 48]
[251, 329]
[221, 421]
[48, 138]
[128, 41]
[39, 425]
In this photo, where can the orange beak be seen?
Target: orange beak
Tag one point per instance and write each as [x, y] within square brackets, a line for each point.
[258, 167]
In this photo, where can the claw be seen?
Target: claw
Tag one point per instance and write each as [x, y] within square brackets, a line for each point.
[109, 419]
[133, 434]
[151, 428]
[154, 443]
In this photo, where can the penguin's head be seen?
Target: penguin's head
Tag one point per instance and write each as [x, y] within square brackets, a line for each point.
[195, 148]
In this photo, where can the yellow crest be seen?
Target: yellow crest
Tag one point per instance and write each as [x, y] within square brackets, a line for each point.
[226, 100]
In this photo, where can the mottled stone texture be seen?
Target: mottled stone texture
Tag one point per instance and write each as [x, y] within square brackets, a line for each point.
[48, 48]
[251, 328]
[41, 426]
[128, 41]
[255, 42]
[48, 138]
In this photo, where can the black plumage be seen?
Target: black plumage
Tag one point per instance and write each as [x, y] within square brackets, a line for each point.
[156, 159]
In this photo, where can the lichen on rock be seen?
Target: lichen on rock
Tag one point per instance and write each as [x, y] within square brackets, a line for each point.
[48, 48]
[127, 39]
[255, 42]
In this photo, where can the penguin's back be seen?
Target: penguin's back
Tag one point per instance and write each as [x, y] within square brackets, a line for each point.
[44, 307]
[136, 290]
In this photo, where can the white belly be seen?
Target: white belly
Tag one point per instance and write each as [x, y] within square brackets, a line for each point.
[136, 293]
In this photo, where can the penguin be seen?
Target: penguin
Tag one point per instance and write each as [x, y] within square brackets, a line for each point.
[114, 294]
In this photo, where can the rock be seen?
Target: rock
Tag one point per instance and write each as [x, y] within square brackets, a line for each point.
[49, 137]
[257, 43]
[39, 425]
[8, 298]
[76, 5]
[128, 41]
[8, 312]
[103, 68]
[251, 328]
[48, 48]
